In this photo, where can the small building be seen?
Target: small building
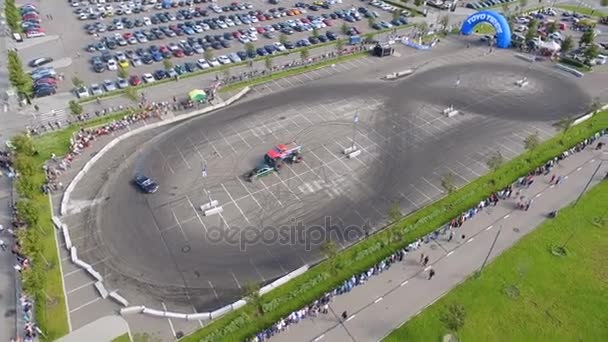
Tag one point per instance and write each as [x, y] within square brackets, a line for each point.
[383, 50]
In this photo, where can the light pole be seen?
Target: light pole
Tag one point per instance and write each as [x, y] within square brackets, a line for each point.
[491, 249]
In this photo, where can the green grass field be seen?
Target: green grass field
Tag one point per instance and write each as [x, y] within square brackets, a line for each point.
[527, 293]
[484, 28]
[122, 338]
[582, 10]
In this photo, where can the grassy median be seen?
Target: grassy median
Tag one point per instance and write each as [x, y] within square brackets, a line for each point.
[245, 322]
[528, 293]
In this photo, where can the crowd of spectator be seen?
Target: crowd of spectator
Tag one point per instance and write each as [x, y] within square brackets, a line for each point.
[321, 305]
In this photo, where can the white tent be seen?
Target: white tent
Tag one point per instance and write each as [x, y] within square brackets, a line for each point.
[551, 46]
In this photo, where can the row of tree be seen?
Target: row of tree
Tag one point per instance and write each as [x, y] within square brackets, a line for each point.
[21, 80]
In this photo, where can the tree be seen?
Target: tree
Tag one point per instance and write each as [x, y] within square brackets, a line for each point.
[444, 21]
[339, 46]
[25, 165]
[552, 27]
[12, 14]
[122, 73]
[587, 38]
[131, 94]
[17, 76]
[564, 124]
[532, 32]
[167, 64]
[283, 39]
[315, 32]
[590, 53]
[208, 54]
[253, 297]
[344, 28]
[304, 53]
[371, 21]
[394, 212]
[567, 44]
[531, 142]
[330, 250]
[396, 15]
[422, 27]
[495, 161]
[24, 145]
[77, 82]
[523, 4]
[453, 317]
[505, 9]
[448, 182]
[418, 2]
[604, 3]
[75, 107]
[28, 212]
[250, 48]
[268, 63]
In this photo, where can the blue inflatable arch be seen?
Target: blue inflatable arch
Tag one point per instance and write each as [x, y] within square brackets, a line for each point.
[498, 22]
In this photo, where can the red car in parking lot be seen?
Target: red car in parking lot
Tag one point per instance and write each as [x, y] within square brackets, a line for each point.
[261, 30]
[134, 80]
[127, 35]
[178, 53]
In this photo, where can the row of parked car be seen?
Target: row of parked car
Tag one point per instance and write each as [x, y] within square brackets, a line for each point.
[94, 10]
[31, 22]
[45, 81]
[487, 3]
[191, 46]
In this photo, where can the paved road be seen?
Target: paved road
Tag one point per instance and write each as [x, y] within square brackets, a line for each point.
[401, 292]
[7, 273]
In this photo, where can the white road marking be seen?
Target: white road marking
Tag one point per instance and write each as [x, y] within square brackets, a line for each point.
[236, 280]
[250, 194]
[319, 338]
[227, 142]
[213, 289]
[91, 282]
[85, 304]
[579, 168]
[471, 239]
[431, 184]
[490, 227]
[450, 253]
[179, 224]
[271, 193]
[235, 204]
[183, 158]
[404, 283]
[256, 270]
[428, 268]
[378, 300]
[538, 195]
[552, 186]
[506, 216]
[351, 317]
[165, 160]
[423, 194]
[169, 319]
[196, 212]
[212, 145]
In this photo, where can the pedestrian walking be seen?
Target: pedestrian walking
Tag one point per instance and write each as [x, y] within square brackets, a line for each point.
[552, 179]
[344, 316]
[558, 180]
[421, 258]
[450, 236]
[3, 245]
[431, 273]
[426, 261]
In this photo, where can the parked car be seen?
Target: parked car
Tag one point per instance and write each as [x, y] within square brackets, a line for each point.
[38, 62]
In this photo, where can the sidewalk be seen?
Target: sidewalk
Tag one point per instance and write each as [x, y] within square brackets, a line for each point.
[7, 272]
[396, 295]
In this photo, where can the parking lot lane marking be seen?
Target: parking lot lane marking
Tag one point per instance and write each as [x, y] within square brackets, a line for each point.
[305, 118]
[450, 253]
[165, 160]
[212, 145]
[236, 280]
[89, 283]
[255, 134]
[468, 168]
[271, 193]
[179, 225]
[195, 148]
[256, 270]
[319, 338]
[433, 185]
[307, 76]
[169, 319]
[457, 174]
[418, 190]
[351, 317]
[236, 204]
[183, 158]
[249, 192]
[489, 227]
[276, 260]
[72, 272]
[470, 240]
[268, 130]
[483, 166]
[286, 79]
[240, 136]
[223, 219]
[196, 212]
[336, 157]
[214, 292]
[409, 200]
[294, 122]
[227, 142]
[280, 86]
[85, 304]
[404, 283]
[507, 149]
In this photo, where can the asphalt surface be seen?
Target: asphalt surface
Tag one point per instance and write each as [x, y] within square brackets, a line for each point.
[157, 242]
[401, 292]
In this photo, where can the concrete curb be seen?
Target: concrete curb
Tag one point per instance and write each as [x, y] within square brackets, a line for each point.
[570, 70]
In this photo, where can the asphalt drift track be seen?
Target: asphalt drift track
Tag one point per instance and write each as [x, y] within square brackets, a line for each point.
[162, 244]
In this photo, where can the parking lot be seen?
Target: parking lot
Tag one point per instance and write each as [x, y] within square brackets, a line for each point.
[138, 36]
[160, 251]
